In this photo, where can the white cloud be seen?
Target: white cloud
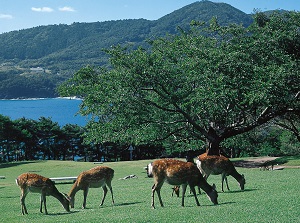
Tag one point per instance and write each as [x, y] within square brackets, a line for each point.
[5, 16]
[66, 9]
[42, 9]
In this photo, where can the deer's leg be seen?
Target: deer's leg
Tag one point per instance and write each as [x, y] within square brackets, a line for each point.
[85, 193]
[222, 183]
[111, 191]
[176, 190]
[183, 194]
[22, 200]
[195, 195]
[152, 196]
[199, 190]
[46, 212]
[41, 204]
[43, 201]
[159, 197]
[104, 194]
[226, 181]
[224, 178]
[156, 187]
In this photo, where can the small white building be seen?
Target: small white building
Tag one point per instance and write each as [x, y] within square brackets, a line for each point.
[37, 70]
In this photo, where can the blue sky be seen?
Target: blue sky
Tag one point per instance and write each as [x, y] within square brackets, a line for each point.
[22, 14]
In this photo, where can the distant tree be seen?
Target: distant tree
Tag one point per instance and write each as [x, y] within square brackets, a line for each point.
[27, 137]
[8, 139]
[47, 133]
[209, 84]
[290, 139]
[72, 141]
[291, 123]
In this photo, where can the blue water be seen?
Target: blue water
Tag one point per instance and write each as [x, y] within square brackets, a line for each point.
[61, 110]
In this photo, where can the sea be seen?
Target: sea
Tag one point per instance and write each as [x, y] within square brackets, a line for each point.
[61, 110]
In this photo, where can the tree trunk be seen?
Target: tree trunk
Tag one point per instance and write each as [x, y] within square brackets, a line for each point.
[213, 148]
[214, 141]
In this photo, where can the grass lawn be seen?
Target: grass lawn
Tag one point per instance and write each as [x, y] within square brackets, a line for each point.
[269, 196]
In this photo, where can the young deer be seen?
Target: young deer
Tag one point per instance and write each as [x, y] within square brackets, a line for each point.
[177, 172]
[31, 182]
[175, 189]
[216, 165]
[99, 176]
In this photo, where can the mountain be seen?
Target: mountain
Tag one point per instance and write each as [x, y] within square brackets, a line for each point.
[34, 61]
[201, 11]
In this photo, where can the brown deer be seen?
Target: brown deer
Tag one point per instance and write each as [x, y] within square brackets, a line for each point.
[31, 182]
[176, 172]
[215, 165]
[100, 176]
[175, 189]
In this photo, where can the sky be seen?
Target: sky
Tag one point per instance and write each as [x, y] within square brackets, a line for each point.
[23, 14]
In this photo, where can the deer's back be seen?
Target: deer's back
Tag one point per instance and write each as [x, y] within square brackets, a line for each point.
[175, 172]
[95, 177]
[215, 164]
[35, 183]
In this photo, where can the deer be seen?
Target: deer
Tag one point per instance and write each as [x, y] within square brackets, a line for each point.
[99, 176]
[31, 182]
[176, 172]
[219, 164]
[175, 189]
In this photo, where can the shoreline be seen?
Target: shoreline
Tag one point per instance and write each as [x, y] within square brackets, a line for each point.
[33, 99]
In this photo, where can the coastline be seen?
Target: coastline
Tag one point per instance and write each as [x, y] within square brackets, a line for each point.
[32, 99]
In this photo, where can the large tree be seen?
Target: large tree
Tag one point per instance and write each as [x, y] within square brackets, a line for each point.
[210, 83]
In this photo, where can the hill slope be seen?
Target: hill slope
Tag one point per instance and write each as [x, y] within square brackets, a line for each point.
[61, 50]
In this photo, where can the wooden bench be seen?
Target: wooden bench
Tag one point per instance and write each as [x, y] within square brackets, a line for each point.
[63, 179]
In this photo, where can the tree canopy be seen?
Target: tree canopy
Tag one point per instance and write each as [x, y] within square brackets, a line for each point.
[208, 84]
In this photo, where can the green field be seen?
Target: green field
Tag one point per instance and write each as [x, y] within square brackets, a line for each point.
[270, 196]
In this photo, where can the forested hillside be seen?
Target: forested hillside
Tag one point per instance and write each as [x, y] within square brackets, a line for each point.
[33, 62]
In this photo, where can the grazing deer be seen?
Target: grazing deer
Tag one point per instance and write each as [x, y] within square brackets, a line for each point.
[31, 182]
[176, 172]
[216, 165]
[99, 176]
[175, 189]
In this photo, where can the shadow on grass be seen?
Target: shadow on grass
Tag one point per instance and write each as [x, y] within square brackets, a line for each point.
[61, 213]
[11, 197]
[107, 206]
[225, 203]
[238, 191]
[220, 192]
[128, 203]
[13, 164]
[208, 205]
